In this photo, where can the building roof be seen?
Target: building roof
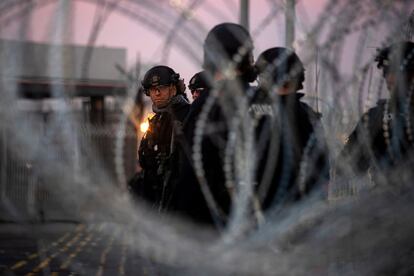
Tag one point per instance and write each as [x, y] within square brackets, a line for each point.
[45, 70]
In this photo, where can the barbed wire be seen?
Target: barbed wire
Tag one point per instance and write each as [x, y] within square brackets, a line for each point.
[338, 21]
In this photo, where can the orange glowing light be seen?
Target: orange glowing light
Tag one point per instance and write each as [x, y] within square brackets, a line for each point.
[144, 126]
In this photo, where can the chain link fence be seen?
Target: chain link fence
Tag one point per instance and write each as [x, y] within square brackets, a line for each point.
[24, 194]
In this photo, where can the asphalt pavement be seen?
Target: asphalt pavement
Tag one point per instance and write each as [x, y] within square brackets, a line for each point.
[70, 249]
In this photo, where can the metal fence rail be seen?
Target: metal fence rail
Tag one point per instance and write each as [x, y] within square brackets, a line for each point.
[24, 195]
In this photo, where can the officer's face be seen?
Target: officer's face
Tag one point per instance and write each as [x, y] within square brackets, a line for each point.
[196, 93]
[161, 95]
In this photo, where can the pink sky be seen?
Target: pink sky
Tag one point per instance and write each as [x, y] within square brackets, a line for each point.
[139, 39]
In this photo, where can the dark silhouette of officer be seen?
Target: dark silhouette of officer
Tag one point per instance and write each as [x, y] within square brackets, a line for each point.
[295, 149]
[198, 84]
[205, 173]
[382, 141]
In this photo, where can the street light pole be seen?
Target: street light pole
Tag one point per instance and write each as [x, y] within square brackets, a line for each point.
[290, 23]
[244, 13]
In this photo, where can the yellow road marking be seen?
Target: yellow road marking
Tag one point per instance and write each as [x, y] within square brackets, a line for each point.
[121, 267]
[43, 264]
[34, 255]
[104, 254]
[79, 248]
[18, 265]
[46, 262]
[22, 263]
[82, 244]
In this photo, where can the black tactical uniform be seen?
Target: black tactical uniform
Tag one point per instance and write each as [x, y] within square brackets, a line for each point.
[221, 44]
[301, 163]
[157, 151]
[294, 155]
[383, 138]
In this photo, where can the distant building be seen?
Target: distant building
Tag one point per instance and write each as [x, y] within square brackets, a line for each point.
[55, 71]
[80, 67]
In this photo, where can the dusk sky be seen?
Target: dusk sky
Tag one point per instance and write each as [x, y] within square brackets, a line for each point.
[172, 32]
[120, 30]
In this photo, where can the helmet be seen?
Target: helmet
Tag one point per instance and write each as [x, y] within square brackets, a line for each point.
[396, 57]
[278, 65]
[227, 43]
[160, 75]
[199, 81]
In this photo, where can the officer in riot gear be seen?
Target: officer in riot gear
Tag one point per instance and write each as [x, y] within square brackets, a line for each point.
[198, 84]
[229, 68]
[157, 150]
[296, 139]
[382, 142]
